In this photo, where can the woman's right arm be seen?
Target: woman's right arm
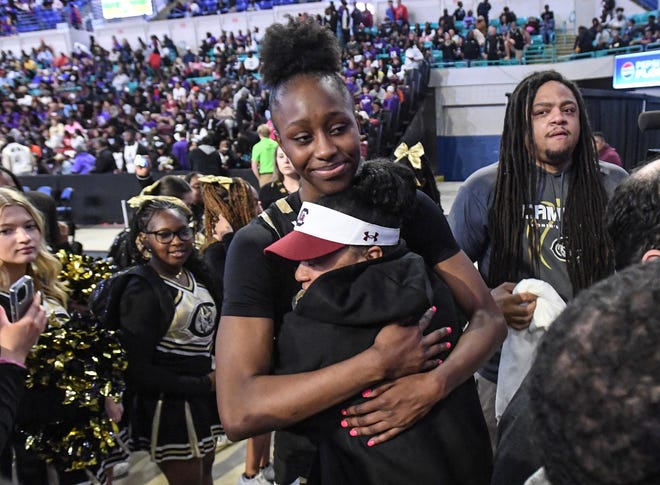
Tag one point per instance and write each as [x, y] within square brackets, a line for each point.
[251, 401]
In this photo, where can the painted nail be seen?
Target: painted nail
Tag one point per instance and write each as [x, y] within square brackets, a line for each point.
[448, 345]
[344, 412]
[353, 432]
[366, 393]
[344, 423]
[440, 361]
[448, 330]
[371, 443]
[434, 308]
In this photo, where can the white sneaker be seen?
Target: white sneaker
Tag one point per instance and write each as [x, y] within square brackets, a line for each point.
[268, 473]
[222, 441]
[258, 479]
[120, 469]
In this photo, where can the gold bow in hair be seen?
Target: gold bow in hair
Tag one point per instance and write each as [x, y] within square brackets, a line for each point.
[139, 200]
[225, 182]
[150, 188]
[414, 154]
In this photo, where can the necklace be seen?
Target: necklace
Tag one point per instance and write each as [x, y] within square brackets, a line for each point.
[177, 278]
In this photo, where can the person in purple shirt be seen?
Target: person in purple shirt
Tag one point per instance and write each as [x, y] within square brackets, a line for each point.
[391, 101]
[365, 99]
[84, 162]
[180, 149]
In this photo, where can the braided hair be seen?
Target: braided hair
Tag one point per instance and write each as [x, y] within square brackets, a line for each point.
[588, 254]
[238, 204]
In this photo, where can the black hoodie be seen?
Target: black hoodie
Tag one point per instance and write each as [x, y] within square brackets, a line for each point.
[339, 316]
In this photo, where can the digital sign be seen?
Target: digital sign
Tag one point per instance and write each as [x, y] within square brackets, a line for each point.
[115, 9]
[638, 70]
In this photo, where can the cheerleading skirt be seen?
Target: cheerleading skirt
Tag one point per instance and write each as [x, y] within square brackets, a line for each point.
[174, 427]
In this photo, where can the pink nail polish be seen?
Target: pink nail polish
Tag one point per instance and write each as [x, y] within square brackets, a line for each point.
[371, 443]
[440, 361]
[366, 393]
[434, 308]
[448, 330]
[344, 423]
[448, 345]
[344, 412]
[353, 432]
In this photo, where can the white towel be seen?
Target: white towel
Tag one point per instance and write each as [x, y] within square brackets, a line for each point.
[519, 348]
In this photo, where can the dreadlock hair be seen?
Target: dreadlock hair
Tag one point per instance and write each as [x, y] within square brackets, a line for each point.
[594, 386]
[301, 47]
[382, 193]
[588, 253]
[238, 204]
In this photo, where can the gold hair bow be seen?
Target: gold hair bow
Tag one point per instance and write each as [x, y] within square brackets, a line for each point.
[150, 188]
[225, 182]
[139, 200]
[414, 154]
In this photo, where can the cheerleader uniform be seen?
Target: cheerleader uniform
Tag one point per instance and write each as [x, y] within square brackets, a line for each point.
[172, 408]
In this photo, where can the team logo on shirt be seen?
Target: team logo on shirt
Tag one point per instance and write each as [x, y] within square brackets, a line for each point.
[558, 248]
[301, 217]
[203, 320]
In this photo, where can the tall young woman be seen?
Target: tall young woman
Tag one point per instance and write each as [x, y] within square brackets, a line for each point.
[170, 376]
[312, 112]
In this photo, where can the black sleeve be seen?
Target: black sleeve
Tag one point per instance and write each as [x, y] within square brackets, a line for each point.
[105, 163]
[215, 258]
[517, 456]
[140, 335]
[250, 276]
[12, 386]
[268, 194]
[427, 232]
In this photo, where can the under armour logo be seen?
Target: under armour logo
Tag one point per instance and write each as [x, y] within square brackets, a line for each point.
[301, 217]
[367, 236]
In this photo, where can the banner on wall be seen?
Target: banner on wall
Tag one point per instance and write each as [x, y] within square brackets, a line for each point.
[638, 70]
[115, 9]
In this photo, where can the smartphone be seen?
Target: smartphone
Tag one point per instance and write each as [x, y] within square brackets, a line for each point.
[19, 298]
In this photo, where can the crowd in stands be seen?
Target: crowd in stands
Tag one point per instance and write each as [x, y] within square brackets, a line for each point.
[69, 108]
[72, 110]
[615, 30]
[26, 15]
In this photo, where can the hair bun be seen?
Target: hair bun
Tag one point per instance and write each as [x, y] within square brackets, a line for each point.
[297, 47]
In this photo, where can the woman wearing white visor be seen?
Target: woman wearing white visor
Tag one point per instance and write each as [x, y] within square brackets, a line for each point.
[355, 274]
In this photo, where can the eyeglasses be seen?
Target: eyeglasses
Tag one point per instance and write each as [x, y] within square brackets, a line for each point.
[166, 237]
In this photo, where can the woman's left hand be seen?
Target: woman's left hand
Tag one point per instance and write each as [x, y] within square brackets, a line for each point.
[392, 408]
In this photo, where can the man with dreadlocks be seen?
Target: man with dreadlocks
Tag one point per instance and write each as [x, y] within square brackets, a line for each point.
[537, 213]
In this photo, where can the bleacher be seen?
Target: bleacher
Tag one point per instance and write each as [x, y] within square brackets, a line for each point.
[44, 18]
[539, 53]
[214, 7]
